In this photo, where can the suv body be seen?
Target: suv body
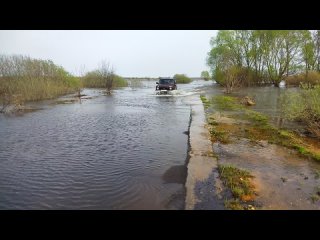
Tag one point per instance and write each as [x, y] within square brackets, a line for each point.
[166, 84]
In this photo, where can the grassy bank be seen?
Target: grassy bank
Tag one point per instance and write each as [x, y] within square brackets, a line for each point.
[257, 128]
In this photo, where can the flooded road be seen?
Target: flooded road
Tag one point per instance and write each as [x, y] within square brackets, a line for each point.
[129, 151]
[125, 151]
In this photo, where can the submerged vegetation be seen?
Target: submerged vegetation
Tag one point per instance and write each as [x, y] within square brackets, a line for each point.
[255, 57]
[311, 79]
[103, 77]
[239, 182]
[222, 102]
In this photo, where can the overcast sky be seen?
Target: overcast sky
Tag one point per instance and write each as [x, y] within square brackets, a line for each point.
[133, 53]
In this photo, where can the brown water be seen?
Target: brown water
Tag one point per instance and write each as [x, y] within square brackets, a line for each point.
[125, 151]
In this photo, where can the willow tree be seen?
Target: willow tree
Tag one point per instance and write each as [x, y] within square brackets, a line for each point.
[265, 56]
[205, 75]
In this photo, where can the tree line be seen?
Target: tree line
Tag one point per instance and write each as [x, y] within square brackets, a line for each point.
[256, 57]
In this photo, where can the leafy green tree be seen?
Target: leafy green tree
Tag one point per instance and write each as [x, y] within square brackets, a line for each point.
[264, 56]
[205, 75]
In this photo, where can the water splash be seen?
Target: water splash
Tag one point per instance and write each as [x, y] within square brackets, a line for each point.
[174, 93]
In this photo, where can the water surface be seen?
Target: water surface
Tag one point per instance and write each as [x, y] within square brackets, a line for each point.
[109, 152]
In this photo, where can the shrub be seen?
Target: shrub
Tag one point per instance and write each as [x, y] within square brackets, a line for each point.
[94, 79]
[304, 106]
[205, 75]
[33, 79]
[313, 78]
[182, 78]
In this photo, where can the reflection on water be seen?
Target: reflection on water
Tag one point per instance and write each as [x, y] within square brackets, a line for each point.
[109, 152]
[268, 101]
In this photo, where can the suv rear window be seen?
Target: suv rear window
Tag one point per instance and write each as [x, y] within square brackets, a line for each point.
[166, 81]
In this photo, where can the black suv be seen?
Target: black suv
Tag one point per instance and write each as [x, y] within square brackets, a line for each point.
[166, 84]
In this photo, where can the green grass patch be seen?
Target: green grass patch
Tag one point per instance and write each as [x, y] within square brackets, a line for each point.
[285, 134]
[239, 181]
[211, 121]
[306, 152]
[301, 149]
[315, 198]
[205, 101]
[233, 204]
[222, 102]
[219, 135]
[256, 117]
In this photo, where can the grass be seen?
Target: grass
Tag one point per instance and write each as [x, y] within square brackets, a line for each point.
[314, 198]
[256, 117]
[219, 135]
[25, 79]
[295, 80]
[256, 130]
[233, 204]
[38, 88]
[205, 101]
[303, 150]
[211, 121]
[222, 102]
[238, 181]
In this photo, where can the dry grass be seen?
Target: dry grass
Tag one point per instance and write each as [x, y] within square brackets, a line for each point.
[313, 78]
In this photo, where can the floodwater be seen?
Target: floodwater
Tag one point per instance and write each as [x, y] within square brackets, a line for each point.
[267, 101]
[129, 151]
[125, 151]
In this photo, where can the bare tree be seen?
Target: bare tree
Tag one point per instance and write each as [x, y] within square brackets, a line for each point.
[81, 74]
[106, 72]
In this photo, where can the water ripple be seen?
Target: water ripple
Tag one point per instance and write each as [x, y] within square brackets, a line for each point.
[106, 153]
